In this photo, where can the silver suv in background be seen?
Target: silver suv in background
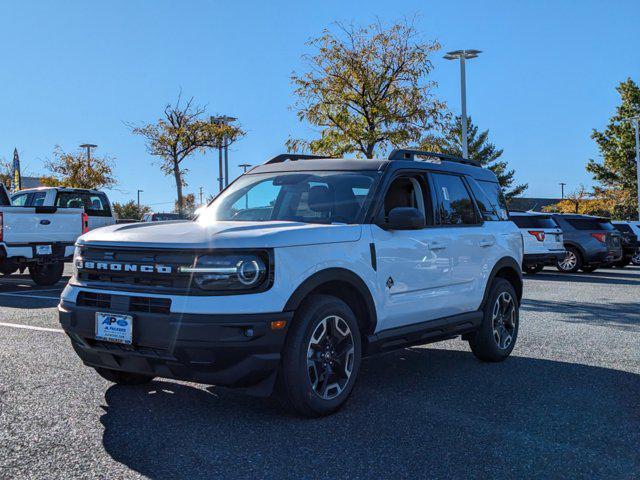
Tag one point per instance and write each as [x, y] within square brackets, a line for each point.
[542, 240]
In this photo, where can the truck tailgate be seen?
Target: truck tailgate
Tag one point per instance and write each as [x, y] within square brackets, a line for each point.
[21, 225]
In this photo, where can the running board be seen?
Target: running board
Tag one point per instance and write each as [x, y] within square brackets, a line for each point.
[424, 332]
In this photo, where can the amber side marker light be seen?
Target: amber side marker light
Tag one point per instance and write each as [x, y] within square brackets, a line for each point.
[278, 324]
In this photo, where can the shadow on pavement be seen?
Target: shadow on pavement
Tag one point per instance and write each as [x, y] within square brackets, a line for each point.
[18, 291]
[610, 278]
[415, 413]
[624, 316]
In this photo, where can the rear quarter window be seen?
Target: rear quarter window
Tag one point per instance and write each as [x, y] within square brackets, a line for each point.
[533, 221]
[589, 224]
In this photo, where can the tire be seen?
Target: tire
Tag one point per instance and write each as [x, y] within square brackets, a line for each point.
[326, 331]
[589, 269]
[123, 378]
[496, 337]
[636, 259]
[571, 263]
[532, 269]
[46, 274]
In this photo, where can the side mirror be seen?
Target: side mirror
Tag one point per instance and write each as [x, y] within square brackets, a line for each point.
[405, 218]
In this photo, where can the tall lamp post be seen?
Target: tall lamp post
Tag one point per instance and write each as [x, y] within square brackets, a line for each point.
[223, 180]
[636, 127]
[463, 55]
[88, 146]
[139, 192]
[562, 185]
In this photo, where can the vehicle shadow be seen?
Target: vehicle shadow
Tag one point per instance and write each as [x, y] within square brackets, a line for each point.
[415, 413]
[611, 278]
[18, 291]
[624, 316]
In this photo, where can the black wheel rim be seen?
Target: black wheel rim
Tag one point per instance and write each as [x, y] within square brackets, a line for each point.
[330, 357]
[504, 320]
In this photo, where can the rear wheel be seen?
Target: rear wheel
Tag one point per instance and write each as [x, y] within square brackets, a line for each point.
[46, 274]
[321, 358]
[532, 269]
[123, 378]
[571, 262]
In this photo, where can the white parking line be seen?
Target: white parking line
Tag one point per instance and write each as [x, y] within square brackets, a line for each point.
[13, 294]
[31, 327]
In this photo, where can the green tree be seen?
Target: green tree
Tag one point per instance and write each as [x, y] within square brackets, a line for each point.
[130, 210]
[617, 171]
[74, 170]
[480, 149]
[180, 132]
[366, 88]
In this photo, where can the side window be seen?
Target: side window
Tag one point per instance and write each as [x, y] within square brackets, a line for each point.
[19, 200]
[37, 200]
[496, 197]
[409, 191]
[255, 204]
[455, 206]
[487, 210]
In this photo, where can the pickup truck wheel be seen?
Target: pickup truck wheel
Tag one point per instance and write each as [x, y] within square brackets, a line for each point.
[571, 262]
[123, 378]
[497, 335]
[321, 357]
[46, 274]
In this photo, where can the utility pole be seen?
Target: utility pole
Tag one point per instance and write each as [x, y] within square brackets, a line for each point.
[139, 191]
[463, 55]
[562, 185]
[88, 146]
[223, 150]
[635, 121]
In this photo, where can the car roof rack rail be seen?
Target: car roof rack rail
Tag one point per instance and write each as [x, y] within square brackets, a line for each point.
[411, 154]
[292, 157]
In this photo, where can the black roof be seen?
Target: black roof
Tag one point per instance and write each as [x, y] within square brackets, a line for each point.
[355, 165]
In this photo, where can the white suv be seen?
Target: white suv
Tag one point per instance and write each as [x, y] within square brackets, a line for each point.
[542, 238]
[296, 271]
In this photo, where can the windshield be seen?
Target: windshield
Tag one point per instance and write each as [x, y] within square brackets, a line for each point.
[311, 197]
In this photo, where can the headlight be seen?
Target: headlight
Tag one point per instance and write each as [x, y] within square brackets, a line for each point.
[77, 259]
[229, 272]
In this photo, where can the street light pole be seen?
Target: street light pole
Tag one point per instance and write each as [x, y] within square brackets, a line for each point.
[636, 127]
[139, 191]
[562, 185]
[88, 146]
[223, 148]
[463, 55]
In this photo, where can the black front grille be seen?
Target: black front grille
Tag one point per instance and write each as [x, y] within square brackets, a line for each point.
[94, 300]
[150, 305]
[124, 303]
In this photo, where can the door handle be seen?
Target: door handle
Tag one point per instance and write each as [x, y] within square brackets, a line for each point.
[487, 243]
[437, 246]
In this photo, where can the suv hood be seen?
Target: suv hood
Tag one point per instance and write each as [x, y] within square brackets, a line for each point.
[197, 235]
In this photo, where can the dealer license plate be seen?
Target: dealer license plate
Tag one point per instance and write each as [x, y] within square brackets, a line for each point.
[43, 250]
[113, 327]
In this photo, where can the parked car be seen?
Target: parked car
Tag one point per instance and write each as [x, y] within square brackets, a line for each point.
[542, 238]
[39, 239]
[160, 217]
[356, 257]
[630, 243]
[590, 242]
[635, 225]
[95, 203]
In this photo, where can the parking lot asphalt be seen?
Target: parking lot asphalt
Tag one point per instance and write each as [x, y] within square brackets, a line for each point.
[565, 404]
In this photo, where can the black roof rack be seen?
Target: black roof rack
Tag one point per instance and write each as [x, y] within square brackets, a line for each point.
[410, 154]
[283, 157]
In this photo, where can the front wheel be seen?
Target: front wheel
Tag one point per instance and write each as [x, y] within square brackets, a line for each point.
[46, 274]
[572, 261]
[495, 339]
[321, 357]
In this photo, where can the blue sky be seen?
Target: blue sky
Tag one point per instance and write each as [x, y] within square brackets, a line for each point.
[77, 71]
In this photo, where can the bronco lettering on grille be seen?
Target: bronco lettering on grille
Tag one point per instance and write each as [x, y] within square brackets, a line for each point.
[126, 267]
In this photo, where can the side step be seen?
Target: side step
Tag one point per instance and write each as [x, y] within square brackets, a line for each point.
[424, 332]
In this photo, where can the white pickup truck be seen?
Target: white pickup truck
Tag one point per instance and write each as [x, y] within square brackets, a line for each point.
[38, 238]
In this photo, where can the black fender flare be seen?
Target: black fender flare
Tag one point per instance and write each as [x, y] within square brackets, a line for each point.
[335, 275]
[504, 262]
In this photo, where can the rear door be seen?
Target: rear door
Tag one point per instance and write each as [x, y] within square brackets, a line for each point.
[470, 246]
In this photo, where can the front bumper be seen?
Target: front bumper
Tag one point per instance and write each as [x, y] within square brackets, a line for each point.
[549, 258]
[229, 350]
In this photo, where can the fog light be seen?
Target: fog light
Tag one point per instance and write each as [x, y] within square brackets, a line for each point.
[278, 324]
[248, 332]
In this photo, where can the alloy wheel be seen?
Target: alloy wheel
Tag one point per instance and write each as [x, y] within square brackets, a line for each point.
[569, 261]
[330, 357]
[504, 320]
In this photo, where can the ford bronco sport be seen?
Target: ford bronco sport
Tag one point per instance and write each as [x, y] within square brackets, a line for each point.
[296, 271]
